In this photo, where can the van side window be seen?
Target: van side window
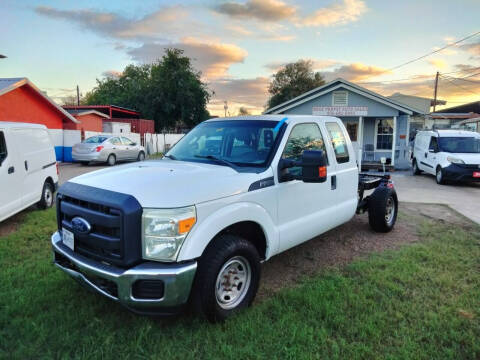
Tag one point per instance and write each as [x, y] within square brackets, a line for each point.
[3, 148]
[339, 142]
[303, 137]
[433, 144]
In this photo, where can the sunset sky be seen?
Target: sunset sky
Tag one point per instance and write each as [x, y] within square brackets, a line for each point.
[239, 44]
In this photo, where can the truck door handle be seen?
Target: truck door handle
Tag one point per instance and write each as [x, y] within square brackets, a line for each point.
[11, 170]
[26, 165]
[426, 154]
[334, 182]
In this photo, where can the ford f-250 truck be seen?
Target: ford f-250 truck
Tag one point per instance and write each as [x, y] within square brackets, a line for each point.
[194, 227]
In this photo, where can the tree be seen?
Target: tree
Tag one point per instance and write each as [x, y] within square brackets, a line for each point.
[293, 80]
[168, 91]
[242, 111]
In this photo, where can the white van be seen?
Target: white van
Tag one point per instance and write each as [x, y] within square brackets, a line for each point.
[450, 155]
[28, 167]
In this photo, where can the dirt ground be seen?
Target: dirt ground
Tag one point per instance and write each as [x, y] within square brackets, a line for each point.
[348, 242]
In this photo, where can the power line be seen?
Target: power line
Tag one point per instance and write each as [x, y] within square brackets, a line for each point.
[434, 52]
[459, 86]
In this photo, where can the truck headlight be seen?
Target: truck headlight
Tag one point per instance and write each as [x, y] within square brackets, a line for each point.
[164, 230]
[455, 160]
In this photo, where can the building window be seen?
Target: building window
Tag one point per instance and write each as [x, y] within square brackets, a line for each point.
[352, 129]
[339, 142]
[384, 132]
[340, 98]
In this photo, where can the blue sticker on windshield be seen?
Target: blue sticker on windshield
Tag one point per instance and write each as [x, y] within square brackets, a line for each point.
[279, 125]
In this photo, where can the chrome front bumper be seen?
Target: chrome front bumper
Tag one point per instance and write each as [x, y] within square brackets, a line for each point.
[177, 279]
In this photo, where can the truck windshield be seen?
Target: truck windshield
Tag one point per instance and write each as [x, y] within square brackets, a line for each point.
[459, 144]
[229, 142]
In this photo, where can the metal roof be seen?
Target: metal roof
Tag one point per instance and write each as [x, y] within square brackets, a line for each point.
[317, 92]
[9, 84]
[86, 112]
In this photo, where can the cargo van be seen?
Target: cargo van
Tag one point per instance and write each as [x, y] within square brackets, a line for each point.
[450, 155]
[28, 168]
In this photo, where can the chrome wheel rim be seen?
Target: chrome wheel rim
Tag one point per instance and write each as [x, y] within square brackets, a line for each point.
[111, 160]
[48, 197]
[142, 157]
[233, 282]
[390, 210]
[439, 175]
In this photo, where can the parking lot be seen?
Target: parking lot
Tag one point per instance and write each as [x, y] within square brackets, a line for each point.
[463, 198]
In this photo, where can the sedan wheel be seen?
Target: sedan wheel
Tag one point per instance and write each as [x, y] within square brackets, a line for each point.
[141, 156]
[111, 160]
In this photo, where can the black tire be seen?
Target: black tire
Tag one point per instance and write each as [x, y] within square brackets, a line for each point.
[111, 160]
[47, 199]
[381, 203]
[141, 156]
[415, 169]
[439, 176]
[84, 163]
[205, 299]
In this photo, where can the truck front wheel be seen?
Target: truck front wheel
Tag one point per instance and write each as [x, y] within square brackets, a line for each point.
[382, 209]
[227, 278]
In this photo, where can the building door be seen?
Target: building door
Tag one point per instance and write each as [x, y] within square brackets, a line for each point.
[353, 132]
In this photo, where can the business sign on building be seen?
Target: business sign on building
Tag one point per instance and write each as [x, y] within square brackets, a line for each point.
[340, 110]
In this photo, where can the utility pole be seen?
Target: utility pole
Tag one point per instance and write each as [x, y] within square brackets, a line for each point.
[78, 96]
[225, 107]
[435, 92]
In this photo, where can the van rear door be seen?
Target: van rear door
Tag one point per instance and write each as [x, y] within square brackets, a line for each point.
[36, 154]
[10, 177]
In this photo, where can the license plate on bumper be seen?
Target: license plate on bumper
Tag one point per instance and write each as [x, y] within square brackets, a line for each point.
[476, 174]
[68, 239]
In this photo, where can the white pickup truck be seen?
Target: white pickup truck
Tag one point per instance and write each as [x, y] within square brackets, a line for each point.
[194, 227]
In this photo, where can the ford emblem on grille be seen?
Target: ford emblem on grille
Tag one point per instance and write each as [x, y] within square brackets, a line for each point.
[80, 225]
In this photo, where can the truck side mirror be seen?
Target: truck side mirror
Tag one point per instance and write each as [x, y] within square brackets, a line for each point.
[314, 166]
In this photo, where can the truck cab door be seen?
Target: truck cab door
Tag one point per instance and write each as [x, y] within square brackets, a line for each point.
[10, 177]
[304, 209]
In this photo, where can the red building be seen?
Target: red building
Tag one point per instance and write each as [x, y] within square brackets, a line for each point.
[88, 120]
[119, 114]
[22, 101]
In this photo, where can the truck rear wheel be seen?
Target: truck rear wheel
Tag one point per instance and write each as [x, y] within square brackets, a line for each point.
[382, 209]
[227, 278]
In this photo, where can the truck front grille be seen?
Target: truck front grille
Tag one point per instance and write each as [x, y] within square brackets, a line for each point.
[104, 241]
[115, 220]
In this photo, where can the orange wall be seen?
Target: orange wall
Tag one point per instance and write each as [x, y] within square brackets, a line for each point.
[25, 105]
[89, 122]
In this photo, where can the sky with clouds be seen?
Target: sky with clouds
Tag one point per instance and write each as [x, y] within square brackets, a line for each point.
[239, 44]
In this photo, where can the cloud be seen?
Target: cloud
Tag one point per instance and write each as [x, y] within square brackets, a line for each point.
[265, 10]
[213, 59]
[438, 63]
[472, 48]
[354, 72]
[114, 74]
[317, 65]
[250, 93]
[162, 23]
[335, 14]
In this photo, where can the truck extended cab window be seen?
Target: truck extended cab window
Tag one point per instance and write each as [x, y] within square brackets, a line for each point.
[303, 137]
[3, 148]
[239, 142]
[339, 143]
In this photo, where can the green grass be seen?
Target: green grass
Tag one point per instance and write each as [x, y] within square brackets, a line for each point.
[419, 302]
[158, 155]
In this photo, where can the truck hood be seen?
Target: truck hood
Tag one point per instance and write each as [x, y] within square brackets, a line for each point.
[466, 157]
[169, 183]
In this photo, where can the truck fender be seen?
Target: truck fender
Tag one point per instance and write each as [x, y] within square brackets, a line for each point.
[206, 229]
